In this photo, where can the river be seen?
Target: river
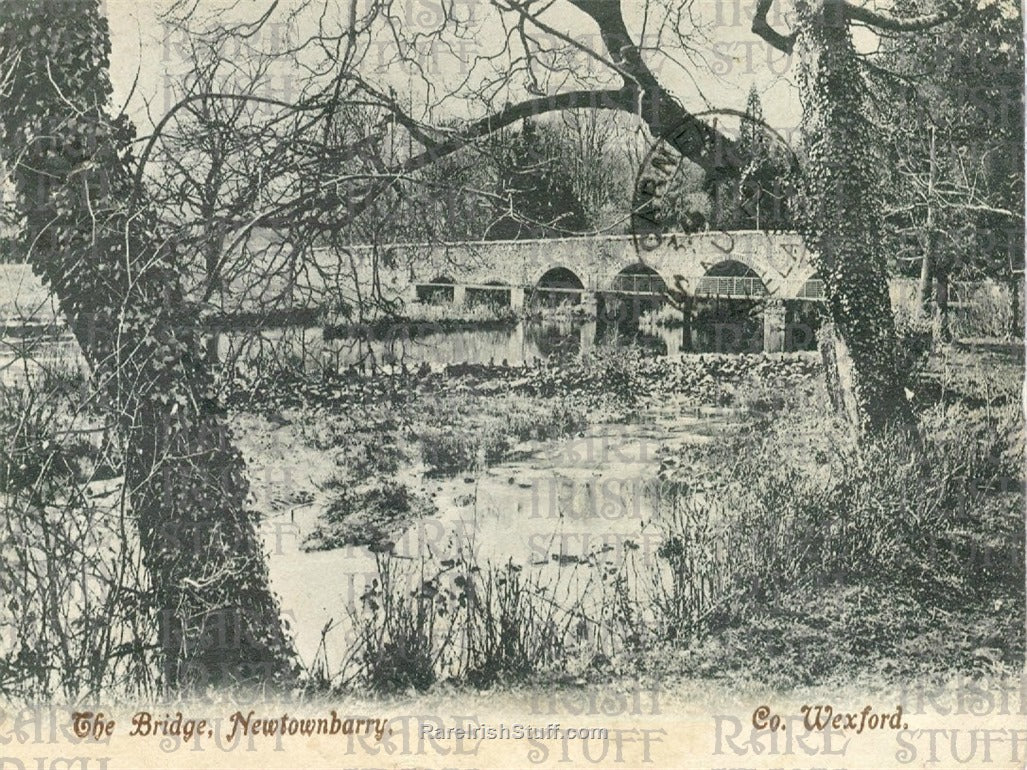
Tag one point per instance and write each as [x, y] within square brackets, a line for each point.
[517, 343]
[413, 344]
[564, 513]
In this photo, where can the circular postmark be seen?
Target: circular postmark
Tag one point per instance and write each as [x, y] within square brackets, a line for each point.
[658, 196]
[667, 203]
[676, 207]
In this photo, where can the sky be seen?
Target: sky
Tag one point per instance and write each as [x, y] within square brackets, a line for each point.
[725, 61]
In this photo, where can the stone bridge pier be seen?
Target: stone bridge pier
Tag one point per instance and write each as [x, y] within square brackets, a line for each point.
[689, 270]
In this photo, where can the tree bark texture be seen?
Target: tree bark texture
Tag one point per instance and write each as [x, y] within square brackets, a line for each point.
[842, 219]
[119, 287]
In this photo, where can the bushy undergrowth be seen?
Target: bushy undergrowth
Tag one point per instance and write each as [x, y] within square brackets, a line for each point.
[799, 558]
[464, 433]
[75, 617]
[909, 538]
[372, 512]
[457, 620]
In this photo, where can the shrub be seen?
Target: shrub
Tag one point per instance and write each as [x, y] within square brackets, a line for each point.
[456, 619]
[397, 647]
[74, 621]
[373, 513]
[464, 433]
[449, 452]
[514, 626]
[783, 531]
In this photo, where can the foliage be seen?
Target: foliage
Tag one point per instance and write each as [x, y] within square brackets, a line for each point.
[840, 217]
[952, 97]
[783, 544]
[459, 434]
[367, 512]
[75, 620]
[397, 645]
[456, 619]
[538, 194]
[764, 187]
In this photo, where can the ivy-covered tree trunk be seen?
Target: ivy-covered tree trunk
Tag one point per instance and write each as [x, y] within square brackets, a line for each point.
[842, 221]
[118, 286]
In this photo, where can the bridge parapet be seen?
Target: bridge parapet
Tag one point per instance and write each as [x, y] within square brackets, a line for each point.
[682, 260]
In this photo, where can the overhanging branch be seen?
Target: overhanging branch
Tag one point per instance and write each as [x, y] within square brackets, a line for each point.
[886, 21]
[761, 27]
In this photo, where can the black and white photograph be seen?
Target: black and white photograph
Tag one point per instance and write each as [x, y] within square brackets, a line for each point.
[512, 383]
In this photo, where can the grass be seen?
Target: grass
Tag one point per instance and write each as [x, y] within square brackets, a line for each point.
[372, 513]
[799, 560]
[460, 433]
[880, 558]
[456, 620]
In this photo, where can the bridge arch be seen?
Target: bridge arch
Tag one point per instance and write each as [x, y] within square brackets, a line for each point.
[439, 289]
[639, 278]
[559, 285]
[812, 287]
[727, 312]
[559, 277]
[491, 292]
[731, 279]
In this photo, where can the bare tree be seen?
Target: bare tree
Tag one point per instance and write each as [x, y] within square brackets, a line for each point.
[543, 62]
[602, 165]
[955, 125]
[345, 60]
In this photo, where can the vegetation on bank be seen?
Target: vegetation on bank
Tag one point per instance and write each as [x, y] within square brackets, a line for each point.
[785, 554]
[421, 319]
[126, 244]
[881, 560]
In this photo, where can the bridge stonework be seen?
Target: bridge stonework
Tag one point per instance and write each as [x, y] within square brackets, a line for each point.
[781, 260]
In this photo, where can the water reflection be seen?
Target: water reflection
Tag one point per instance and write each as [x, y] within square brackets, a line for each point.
[525, 342]
[712, 330]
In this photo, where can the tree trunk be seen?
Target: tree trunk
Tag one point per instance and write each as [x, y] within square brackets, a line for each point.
[118, 286]
[1016, 318]
[923, 289]
[838, 374]
[842, 221]
[940, 331]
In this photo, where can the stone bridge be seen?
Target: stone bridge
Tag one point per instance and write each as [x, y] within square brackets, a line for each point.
[750, 265]
[736, 264]
[772, 267]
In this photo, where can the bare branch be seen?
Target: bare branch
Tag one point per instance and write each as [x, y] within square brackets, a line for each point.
[760, 26]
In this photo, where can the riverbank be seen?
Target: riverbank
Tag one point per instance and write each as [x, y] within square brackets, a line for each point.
[614, 517]
[700, 516]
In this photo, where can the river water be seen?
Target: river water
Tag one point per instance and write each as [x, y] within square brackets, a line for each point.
[515, 344]
[566, 513]
[411, 345]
